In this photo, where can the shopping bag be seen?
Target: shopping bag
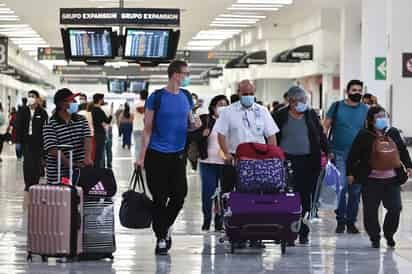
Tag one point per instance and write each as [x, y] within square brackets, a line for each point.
[330, 189]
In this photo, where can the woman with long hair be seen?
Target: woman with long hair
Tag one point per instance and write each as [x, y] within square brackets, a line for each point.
[126, 125]
[211, 161]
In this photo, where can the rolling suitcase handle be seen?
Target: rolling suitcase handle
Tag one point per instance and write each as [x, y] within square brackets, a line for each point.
[59, 151]
[77, 219]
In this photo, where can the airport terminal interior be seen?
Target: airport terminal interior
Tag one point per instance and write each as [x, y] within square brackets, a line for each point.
[55, 53]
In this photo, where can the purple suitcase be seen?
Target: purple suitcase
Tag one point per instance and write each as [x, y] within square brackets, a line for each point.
[263, 217]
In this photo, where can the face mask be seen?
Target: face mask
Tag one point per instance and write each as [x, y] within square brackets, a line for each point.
[219, 110]
[31, 101]
[301, 107]
[357, 97]
[83, 101]
[73, 108]
[247, 101]
[186, 81]
[381, 123]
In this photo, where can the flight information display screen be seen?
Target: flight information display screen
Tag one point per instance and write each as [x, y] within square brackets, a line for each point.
[90, 43]
[137, 86]
[144, 43]
[117, 86]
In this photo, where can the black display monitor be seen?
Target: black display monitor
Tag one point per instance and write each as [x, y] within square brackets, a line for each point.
[116, 85]
[136, 86]
[89, 43]
[150, 44]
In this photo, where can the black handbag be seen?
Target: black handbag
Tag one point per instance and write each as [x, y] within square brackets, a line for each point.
[136, 208]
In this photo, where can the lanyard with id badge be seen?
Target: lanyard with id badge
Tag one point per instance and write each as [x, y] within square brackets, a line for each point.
[257, 128]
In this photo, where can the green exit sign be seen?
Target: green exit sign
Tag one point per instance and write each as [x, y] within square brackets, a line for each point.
[380, 68]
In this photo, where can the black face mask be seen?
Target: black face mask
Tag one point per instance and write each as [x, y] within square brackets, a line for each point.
[356, 97]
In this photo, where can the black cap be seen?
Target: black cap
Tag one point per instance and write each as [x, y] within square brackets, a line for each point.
[63, 95]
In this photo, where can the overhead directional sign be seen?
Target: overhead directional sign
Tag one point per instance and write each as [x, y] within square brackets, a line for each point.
[380, 68]
[127, 16]
[50, 54]
[208, 57]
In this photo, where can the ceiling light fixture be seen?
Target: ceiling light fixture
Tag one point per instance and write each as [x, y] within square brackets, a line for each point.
[256, 8]
[228, 25]
[242, 16]
[279, 2]
[253, 21]
[204, 43]
[198, 48]
[16, 26]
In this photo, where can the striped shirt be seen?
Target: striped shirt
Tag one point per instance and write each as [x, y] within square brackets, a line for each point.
[57, 133]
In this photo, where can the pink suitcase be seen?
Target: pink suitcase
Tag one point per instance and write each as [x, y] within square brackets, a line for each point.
[54, 221]
[55, 216]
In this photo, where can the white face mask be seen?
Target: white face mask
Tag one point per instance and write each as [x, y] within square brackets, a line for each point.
[219, 110]
[31, 101]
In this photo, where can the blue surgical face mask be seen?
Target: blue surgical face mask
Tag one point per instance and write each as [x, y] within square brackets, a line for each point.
[247, 101]
[301, 107]
[73, 108]
[186, 81]
[381, 123]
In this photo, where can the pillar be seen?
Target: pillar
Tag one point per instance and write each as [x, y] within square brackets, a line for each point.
[399, 42]
[350, 42]
[374, 45]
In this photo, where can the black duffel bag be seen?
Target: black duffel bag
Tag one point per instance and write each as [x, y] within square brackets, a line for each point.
[96, 182]
[136, 208]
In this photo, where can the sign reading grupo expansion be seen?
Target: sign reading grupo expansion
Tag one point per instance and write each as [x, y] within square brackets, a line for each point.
[127, 16]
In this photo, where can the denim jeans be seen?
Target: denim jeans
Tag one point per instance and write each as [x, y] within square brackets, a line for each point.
[348, 206]
[210, 175]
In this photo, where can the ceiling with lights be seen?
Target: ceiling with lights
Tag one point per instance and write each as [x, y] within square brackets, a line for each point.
[204, 24]
[22, 35]
[238, 16]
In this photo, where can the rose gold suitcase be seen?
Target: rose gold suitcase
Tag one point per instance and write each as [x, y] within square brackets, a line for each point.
[55, 216]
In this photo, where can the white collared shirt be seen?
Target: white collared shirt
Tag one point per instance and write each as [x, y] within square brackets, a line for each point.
[31, 121]
[241, 125]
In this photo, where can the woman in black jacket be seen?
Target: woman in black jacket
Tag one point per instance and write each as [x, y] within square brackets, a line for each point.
[211, 160]
[302, 139]
[378, 185]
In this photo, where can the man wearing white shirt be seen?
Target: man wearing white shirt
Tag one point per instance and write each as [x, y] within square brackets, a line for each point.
[243, 122]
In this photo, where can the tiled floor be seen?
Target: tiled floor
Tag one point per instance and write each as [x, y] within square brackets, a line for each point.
[197, 252]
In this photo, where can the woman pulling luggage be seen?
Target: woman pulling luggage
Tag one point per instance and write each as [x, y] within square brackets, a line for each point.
[377, 160]
[302, 139]
[211, 162]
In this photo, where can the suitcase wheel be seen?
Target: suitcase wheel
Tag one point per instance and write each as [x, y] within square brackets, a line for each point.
[283, 246]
